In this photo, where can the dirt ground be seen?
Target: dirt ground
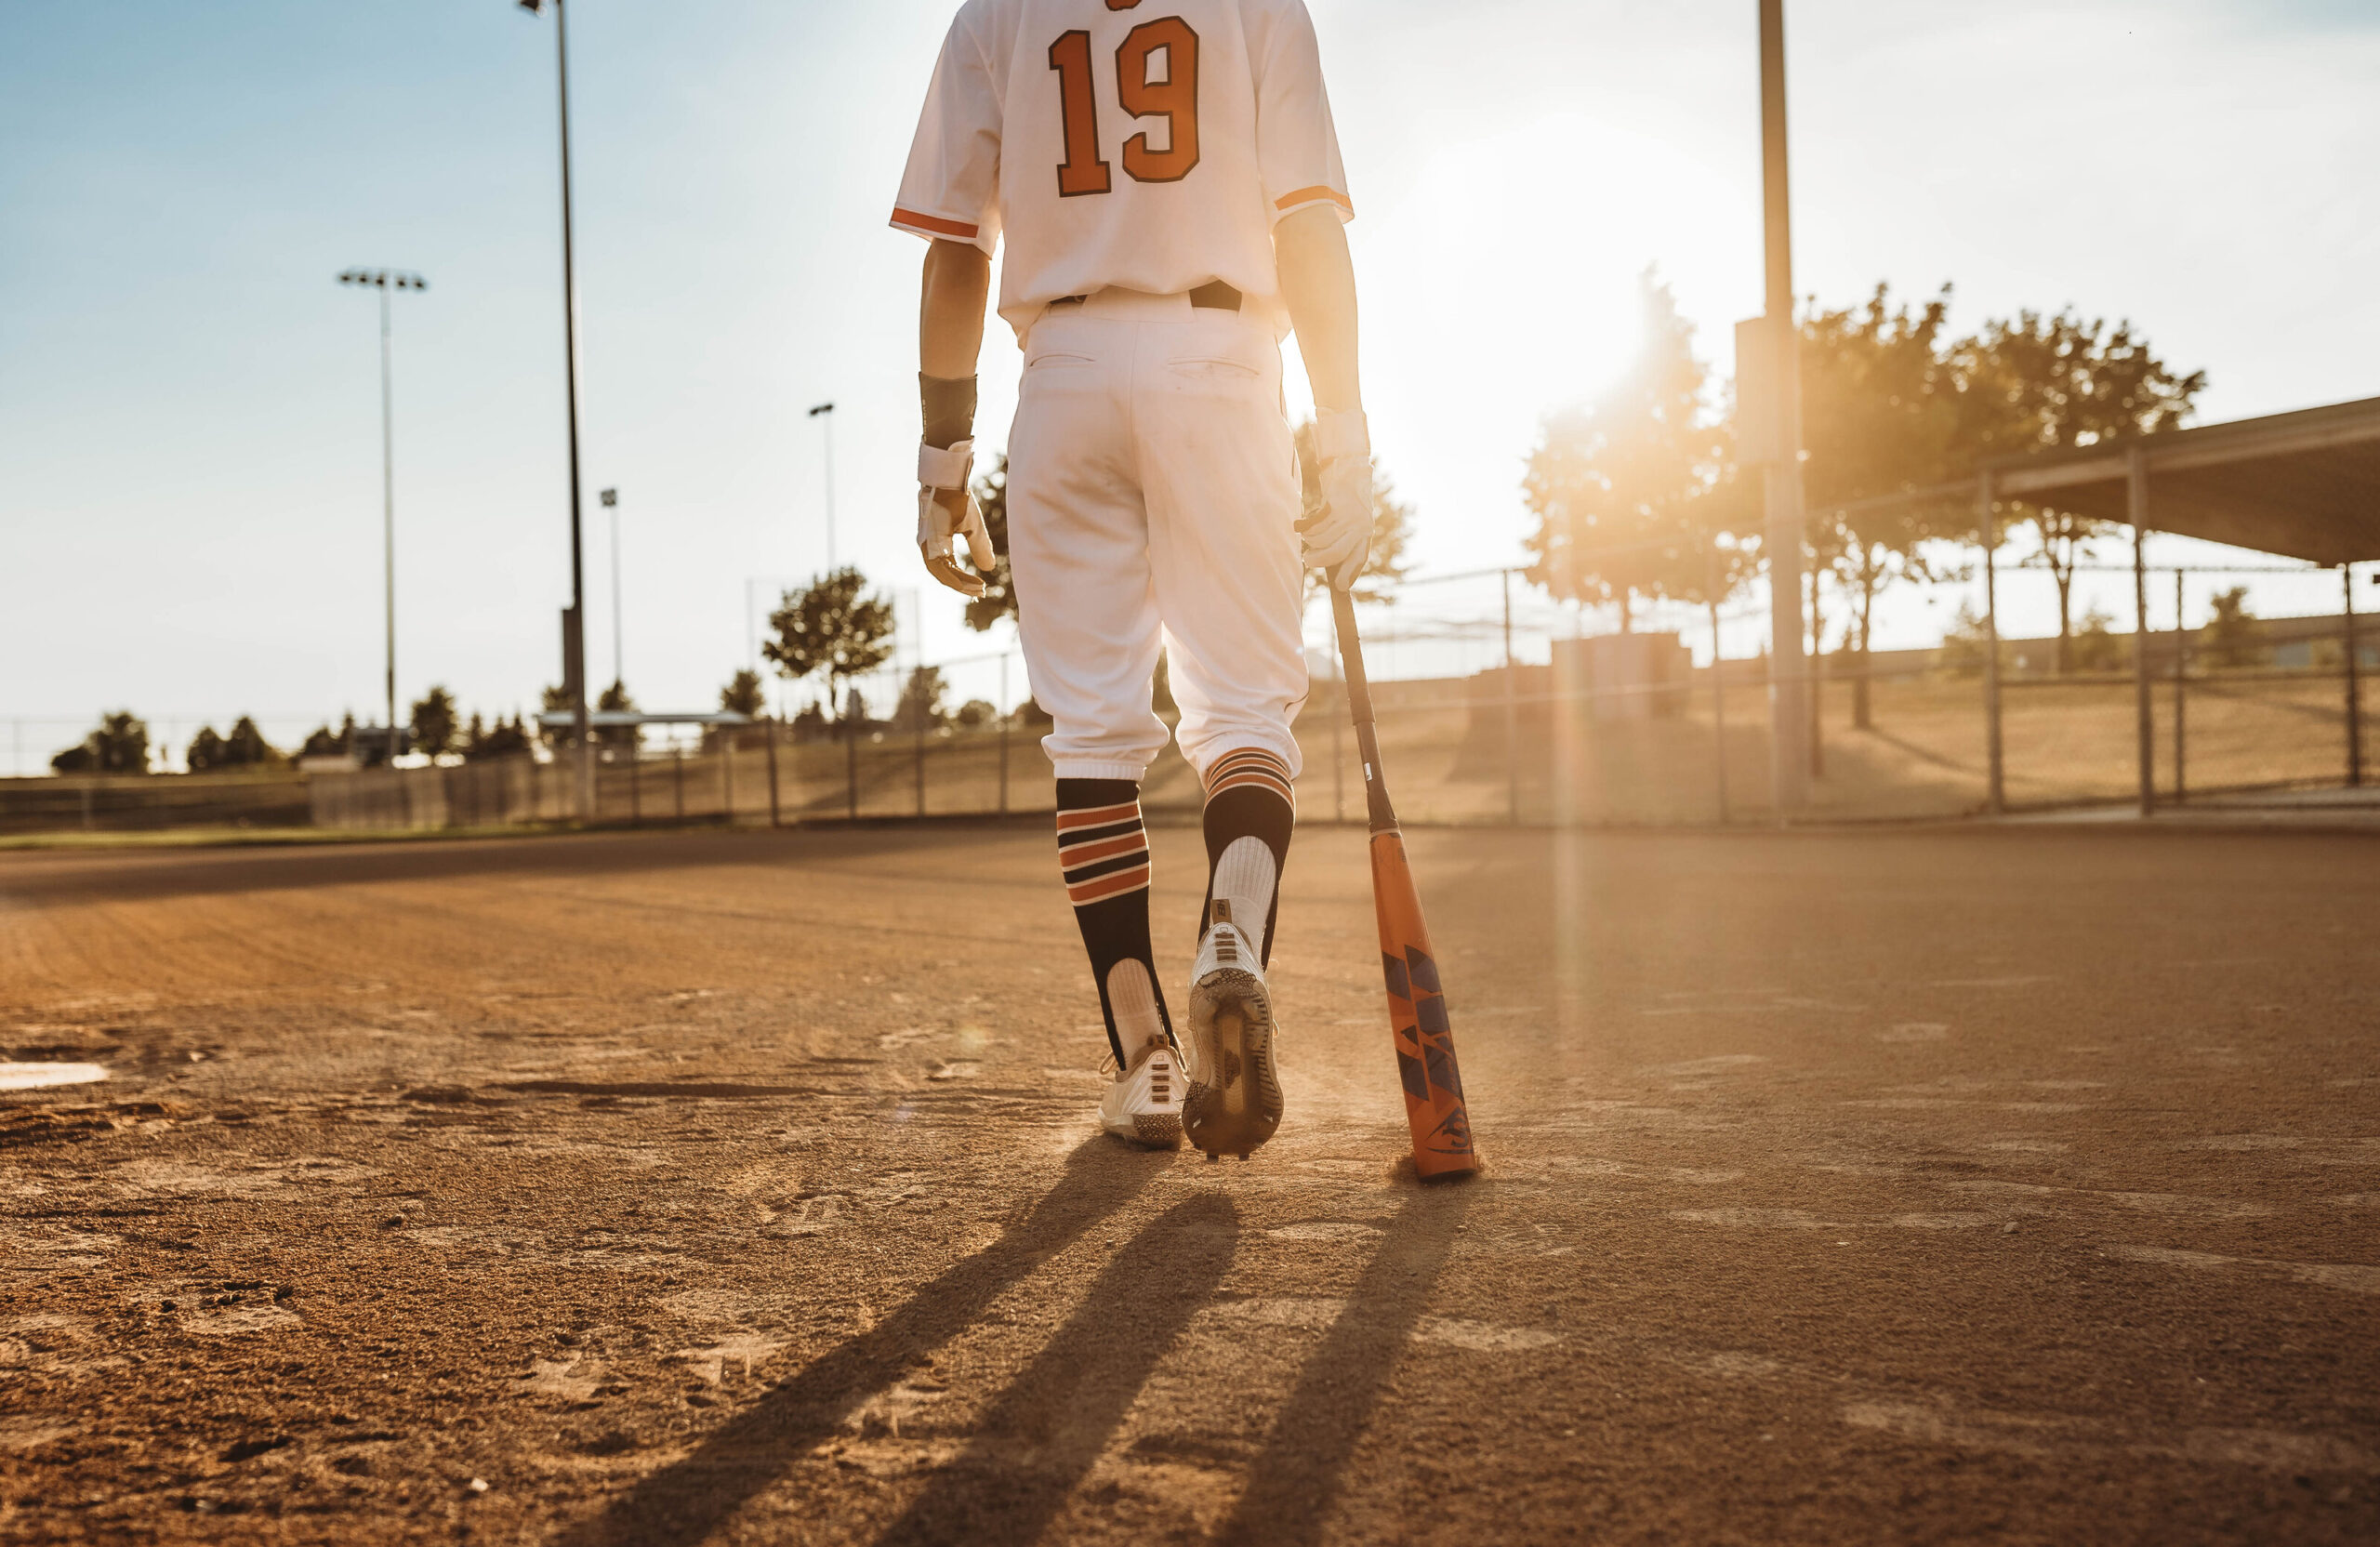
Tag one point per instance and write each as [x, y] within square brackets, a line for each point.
[676, 1187]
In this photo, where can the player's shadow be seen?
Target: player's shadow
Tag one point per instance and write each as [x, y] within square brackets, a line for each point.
[1302, 1467]
[1039, 1439]
[687, 1501]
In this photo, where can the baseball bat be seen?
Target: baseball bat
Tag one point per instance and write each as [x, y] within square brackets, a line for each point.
[1417, 1007]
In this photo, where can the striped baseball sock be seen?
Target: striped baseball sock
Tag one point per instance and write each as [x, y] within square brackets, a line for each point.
[1103, 853]
[1250, 811]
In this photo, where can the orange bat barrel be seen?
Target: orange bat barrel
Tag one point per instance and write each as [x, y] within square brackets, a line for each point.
[1418, 1023]
[1417, 1018]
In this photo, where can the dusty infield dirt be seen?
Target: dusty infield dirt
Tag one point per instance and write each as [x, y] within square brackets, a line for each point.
[743, 1187]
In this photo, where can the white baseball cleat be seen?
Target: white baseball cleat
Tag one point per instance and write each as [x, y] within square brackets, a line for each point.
[1234, 1102]
[1142, 1104]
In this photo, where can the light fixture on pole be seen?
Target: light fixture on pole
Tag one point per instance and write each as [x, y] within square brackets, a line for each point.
[384, 281]
[574, 620]
[827, 412]
[610, 498]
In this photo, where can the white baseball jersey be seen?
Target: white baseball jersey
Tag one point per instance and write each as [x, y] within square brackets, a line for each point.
[1148, 145]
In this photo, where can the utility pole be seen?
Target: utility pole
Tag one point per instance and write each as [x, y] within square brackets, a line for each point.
[1781, 476]
[610, 498]
[384, 281]
[827, 412]
[574, 619]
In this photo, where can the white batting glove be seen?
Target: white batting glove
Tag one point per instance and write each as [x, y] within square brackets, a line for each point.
[946, 510]
[1339, 532]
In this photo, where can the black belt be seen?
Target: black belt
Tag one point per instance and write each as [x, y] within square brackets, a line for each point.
[1214, 296]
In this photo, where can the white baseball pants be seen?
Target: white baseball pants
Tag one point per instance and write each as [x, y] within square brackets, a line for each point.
[1153, 489]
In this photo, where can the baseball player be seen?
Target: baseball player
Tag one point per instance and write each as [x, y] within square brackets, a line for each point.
[1166, 177]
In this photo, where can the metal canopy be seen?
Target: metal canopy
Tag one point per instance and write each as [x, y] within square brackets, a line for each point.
[2304, 485]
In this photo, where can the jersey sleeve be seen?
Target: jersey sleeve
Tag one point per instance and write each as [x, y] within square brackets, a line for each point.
[950, 189]
[1297, 147]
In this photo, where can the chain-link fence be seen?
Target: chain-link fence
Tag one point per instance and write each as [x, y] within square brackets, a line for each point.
[1496, 704]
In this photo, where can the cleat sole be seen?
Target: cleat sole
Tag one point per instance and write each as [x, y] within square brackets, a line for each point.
[1233, 1104]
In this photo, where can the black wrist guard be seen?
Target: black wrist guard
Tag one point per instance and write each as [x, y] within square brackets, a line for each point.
[949, 407]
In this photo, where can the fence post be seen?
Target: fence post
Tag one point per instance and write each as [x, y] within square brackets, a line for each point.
[677, 778]
[2181, 665]
[1718, 685]
[851, 767]
[1512, 714]
[2354, 685]
[1004, 719]
[2136, 498]
[727, 775]
[768, 736]
[1816, 677]
[921, 756]
[636, 782]
[1995, 784]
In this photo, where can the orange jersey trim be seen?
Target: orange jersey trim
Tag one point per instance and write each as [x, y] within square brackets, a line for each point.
[933, 223]
[1307, 195]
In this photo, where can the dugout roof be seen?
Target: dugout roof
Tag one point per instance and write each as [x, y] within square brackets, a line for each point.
[2305, 484]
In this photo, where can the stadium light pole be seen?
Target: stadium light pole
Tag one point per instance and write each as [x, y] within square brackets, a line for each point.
[384, 281]
[610, 498]
[574, 621]
[827, 411]
[1781, 477]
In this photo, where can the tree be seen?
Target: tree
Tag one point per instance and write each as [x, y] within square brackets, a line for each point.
[120, 744]
[1880, 415]
[205, 752]
[245, 746]
[743, 694]
[2235, 637]
[999, 600]
[553, 700]
[1384, 565]
[830, 628]
[618, 738]
[2096, 647]
[1966, 643]
[433, 723]
[1622, 491]
[2043, 383]
[922, 701]
[976, 713]
[323, 742]
[503, 739]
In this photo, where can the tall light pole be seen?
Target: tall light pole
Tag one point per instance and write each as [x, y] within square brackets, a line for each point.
[1782, 479]
[610, 498]
[827, 412]
[384, 281]
[574, 625]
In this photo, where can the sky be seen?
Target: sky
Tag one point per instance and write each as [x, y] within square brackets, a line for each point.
[189, 414]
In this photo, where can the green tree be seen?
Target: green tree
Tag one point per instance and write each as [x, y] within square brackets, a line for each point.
[1879, 415]
[205, 752]
[623, 739]
[2045, 383]
[434, 722]
[245, 746]
[2235, 637]
[1384, 565]
[1623, 491]
[743, 694]
[830, 628]
[120, 744]
[921, 706]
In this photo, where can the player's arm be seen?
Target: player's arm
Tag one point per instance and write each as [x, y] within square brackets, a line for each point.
[1319, 286]
[951, 297]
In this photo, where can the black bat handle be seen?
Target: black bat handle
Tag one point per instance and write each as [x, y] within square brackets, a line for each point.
[1359, 705]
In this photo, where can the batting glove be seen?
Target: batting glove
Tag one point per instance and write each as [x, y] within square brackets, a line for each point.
[946, 510]
[1339, 532]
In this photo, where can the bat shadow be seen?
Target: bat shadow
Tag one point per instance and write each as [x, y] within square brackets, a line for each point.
[1301, 1468]
[1044, 1433]
[687, 1501]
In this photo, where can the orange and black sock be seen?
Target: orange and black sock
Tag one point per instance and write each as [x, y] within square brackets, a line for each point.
[1103, 851]
[1251, 811]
